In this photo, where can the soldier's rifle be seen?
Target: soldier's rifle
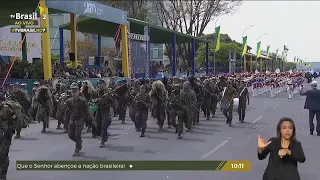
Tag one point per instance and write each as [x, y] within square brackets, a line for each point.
[205, 89]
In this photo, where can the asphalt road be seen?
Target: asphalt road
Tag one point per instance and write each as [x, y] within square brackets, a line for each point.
[212, 140]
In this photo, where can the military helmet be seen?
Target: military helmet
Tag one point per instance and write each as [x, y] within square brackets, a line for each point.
[101, 81]
[74, 86]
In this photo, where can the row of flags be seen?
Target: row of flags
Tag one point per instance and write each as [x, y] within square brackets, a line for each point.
[301, 62]
[244, 42]
[245, 47]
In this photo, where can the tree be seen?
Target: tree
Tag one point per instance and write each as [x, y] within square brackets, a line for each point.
[87, 47]
[222, 55]
[136, 8]
[290, 65]
[191, 17]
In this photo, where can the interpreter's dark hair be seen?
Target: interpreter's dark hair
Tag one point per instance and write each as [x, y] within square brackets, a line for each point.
[284, 119]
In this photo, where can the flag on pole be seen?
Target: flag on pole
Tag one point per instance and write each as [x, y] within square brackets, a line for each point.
[277, 54]
[268, 51]
[244, 45]
[282, 57]
[294, 60]
[217, 38]
[258, 49]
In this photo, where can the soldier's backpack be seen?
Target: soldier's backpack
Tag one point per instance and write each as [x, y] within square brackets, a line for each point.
[17, 109]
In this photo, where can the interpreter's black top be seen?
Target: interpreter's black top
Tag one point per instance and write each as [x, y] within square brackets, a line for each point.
[285, 168]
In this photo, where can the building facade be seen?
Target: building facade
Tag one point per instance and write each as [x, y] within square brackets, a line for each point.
[56, 20]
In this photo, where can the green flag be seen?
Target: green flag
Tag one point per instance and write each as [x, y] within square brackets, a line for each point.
[217, 38]
[268, 51]
[244, 45]
[258, 49]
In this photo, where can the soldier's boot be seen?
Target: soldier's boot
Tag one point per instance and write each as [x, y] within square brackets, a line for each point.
[59, 125]
[102, 144]
[180, 135]
[230, 122]
[142, 132]
[89, 129]
[138, 130]
[160, 126]
[169, 123]
[240, 117]
[94, 132]
[79, 145]
[123, 122]
[176, 130]
[43, 130]
[76, 152]
[18, 136]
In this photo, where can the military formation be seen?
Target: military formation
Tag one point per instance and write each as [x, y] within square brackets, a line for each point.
[175, 102]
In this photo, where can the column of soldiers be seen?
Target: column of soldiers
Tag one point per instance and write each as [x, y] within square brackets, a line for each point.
[176, 102]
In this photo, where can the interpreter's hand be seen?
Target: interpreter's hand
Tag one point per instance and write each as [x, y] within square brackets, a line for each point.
[282, 152]
[262, 143]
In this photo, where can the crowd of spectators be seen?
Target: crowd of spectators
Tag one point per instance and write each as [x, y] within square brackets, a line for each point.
[58, 71]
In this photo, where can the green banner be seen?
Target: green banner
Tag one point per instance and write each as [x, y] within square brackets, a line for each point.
[133, 165]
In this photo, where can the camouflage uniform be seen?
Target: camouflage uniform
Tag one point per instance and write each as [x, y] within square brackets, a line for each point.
[60, 110]
[188, 97]
[207, 103]
[132, 107]
[169, 89]
[243, 95]
[159, 96]
[77, 110]
[103, 118]
[227, 102]
[8, 122]
[45, 106]
[142, 104]
[177, 109]
[20, 97]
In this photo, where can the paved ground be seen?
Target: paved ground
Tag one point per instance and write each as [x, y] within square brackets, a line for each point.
[212, 140]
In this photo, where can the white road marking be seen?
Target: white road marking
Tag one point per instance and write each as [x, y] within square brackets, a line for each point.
[256, 120]
[215, 149]
[276, 107]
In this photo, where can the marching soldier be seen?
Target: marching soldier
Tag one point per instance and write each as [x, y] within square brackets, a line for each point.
[142, 103]
[44, 107]
[188, 97]
[77, 110]
[226, 103]
[103, 117]
[243, 98]
[8, 122]
[159, 96]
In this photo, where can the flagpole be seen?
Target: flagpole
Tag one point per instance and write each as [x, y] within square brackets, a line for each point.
[214, 52]
[277, 50]
[257, 49]
[242, 57]
[268, 44]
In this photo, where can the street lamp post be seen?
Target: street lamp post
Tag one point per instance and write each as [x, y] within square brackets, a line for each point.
[257, 50]
[243, 58]
[214, 52]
